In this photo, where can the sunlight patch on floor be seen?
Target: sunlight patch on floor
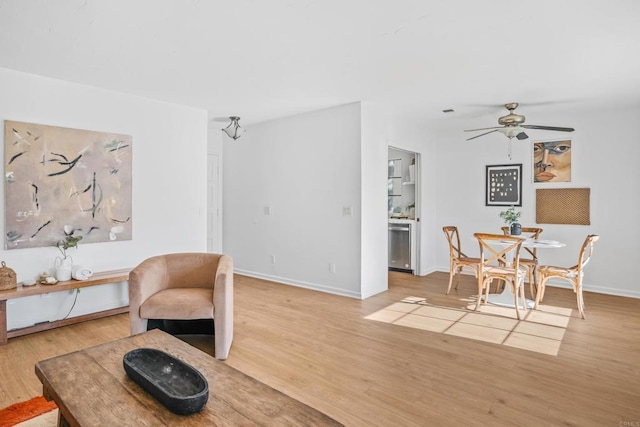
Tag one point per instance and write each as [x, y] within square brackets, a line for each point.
[539, 330]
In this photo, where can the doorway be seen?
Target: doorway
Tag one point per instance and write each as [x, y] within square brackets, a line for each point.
[403, 210]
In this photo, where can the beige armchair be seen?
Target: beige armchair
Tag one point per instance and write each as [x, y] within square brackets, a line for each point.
[184, 286]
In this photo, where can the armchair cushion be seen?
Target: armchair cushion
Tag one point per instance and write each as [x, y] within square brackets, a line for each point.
[179, 304]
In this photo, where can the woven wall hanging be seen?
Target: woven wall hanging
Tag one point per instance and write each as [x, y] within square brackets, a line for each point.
[563, 206]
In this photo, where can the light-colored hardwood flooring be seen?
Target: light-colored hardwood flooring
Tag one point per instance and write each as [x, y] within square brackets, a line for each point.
[320, 349]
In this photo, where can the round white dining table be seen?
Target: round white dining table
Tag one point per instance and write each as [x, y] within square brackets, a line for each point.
[505, 298]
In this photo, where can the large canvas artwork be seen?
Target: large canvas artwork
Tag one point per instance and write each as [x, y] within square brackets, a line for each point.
[60, 180]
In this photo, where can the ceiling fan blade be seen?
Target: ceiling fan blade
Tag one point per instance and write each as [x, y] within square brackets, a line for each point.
[522, 136]
[475, 130]
[482, 134]
[559, 129]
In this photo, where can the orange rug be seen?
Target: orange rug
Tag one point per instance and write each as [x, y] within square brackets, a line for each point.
[23, 411]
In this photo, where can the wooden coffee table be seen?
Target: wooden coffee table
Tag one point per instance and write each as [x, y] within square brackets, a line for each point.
[91, 388]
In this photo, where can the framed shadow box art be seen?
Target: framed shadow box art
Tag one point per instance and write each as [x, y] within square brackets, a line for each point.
[504, 185]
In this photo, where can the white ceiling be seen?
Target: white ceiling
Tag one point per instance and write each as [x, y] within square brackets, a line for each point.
[264, 59]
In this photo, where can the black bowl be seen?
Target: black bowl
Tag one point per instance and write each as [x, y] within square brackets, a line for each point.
[178, 386]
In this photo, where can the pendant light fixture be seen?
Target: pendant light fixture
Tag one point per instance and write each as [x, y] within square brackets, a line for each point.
[234, 130]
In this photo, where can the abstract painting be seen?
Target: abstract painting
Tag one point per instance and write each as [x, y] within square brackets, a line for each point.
[61, 181]
[504, 185]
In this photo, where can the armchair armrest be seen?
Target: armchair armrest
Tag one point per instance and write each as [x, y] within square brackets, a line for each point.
[145, 280]
[223, 307]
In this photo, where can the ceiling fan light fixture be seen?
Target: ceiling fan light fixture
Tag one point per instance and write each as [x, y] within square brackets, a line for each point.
[511, 131]
[234, 131]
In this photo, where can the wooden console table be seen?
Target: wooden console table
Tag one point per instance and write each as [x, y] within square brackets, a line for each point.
[38, 289]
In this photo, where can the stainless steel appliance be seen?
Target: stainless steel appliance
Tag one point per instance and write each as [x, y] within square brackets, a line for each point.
[400, 247]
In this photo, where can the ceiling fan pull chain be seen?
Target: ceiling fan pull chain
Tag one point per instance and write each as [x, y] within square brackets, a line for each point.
[509, 148]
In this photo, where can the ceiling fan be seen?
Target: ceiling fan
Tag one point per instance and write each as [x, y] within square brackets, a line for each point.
[512, 125]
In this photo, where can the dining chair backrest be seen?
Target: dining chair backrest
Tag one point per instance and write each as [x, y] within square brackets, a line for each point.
[530, 232]
[499, 250]
[451, 231]
[533, 232]
[586, 251]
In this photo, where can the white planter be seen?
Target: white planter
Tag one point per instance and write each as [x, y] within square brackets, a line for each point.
[63, 268]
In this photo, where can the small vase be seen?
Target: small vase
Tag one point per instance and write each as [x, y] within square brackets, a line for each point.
[516, 229]
[63, 268]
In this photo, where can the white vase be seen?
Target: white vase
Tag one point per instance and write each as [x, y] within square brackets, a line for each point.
[63, 268]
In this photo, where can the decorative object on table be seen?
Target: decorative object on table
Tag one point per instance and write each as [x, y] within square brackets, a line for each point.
[28, 282]
[177, 385]
[510, 217]
[56, 176]
[81, 273]
[46, 279]
[552, 161]
[64, 265]
[504, 185]
[512, 125]
[563, 206]
[8, 279]
[234, 131]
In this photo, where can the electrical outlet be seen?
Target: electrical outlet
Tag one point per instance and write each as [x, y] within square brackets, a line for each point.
[267, 210]
[332, 267]
[347, 211]
[273, 259]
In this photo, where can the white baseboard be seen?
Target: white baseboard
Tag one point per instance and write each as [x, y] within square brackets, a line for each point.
[299, 283]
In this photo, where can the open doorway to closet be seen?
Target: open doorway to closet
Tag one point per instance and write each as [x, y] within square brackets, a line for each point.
[403, 210]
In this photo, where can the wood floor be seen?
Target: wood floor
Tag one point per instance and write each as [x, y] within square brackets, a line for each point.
[319, 349]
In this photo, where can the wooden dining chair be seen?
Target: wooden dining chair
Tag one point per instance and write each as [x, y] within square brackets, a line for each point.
[500, 260]
[572, 274]
[531, 263]
[458, 259]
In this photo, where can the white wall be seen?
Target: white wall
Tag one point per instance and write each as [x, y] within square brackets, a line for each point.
[605, 153]
[374, 235]
[305, 169]
[169, 184]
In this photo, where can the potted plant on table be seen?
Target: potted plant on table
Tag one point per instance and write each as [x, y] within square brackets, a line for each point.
[64, 265]
[510, 217]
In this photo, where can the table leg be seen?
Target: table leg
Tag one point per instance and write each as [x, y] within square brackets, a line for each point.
[62, 421]
[3, 322]
[505, 298]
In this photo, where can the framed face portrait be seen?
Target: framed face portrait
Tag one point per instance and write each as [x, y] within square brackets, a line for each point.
[552, 161]
[504, 185]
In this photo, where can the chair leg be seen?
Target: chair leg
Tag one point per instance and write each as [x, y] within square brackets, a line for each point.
[515, 298]
[480, 287]
[524, 300]
[451, 273]
[580, 299]
[459, 273]
[540, 293]
[532, 281]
